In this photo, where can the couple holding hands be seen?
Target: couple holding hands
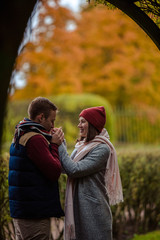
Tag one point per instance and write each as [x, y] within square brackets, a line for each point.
[38, 155]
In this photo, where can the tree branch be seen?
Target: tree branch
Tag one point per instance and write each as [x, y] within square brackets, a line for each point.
[140, 17]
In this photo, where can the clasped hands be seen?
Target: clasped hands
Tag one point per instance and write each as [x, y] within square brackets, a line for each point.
[57, 136]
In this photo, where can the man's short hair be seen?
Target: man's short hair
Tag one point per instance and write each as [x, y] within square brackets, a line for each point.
[40, 105]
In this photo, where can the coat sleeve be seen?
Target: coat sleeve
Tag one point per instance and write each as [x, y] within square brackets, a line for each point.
[93, 162]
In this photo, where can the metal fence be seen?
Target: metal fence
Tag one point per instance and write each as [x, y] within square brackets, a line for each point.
[137, 126]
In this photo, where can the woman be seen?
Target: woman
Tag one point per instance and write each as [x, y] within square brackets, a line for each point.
[93, 180]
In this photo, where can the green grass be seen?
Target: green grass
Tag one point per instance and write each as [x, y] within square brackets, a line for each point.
[149, 236]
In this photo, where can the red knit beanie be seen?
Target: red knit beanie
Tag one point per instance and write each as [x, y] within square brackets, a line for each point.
[96, 116]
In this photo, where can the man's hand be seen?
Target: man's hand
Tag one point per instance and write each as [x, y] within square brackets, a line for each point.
[57, 136]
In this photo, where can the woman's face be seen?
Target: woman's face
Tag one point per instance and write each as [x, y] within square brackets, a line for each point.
[83, 127]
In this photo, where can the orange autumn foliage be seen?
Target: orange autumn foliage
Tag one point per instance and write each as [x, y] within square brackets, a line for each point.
[106, 54]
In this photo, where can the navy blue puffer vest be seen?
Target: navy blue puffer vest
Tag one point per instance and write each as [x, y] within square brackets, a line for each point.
[31, 194]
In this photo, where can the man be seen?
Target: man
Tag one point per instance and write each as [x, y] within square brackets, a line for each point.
[34, 169]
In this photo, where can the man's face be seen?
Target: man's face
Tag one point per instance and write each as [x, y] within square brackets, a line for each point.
[48, 123]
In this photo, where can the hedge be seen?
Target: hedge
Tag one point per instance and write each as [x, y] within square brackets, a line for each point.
[140, 211]
[5, 230]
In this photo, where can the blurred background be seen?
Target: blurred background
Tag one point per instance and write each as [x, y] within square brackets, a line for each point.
[79, 56]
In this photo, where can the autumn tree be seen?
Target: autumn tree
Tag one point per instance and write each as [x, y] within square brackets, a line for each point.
[121, 63]
[52, 62]
[107, 55]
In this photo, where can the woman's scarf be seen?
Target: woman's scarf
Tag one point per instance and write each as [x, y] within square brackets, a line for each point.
[112, 179]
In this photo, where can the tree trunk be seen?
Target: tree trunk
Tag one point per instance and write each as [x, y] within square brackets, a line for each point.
[14, 15]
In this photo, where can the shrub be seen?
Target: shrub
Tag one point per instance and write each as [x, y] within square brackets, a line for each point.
[140, 211]
[5, 230]
[16, 111]
[149, 236]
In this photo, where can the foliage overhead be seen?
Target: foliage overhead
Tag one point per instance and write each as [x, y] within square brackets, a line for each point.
[148, 6]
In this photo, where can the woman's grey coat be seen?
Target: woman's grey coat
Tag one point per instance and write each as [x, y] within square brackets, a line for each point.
[92, 214]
